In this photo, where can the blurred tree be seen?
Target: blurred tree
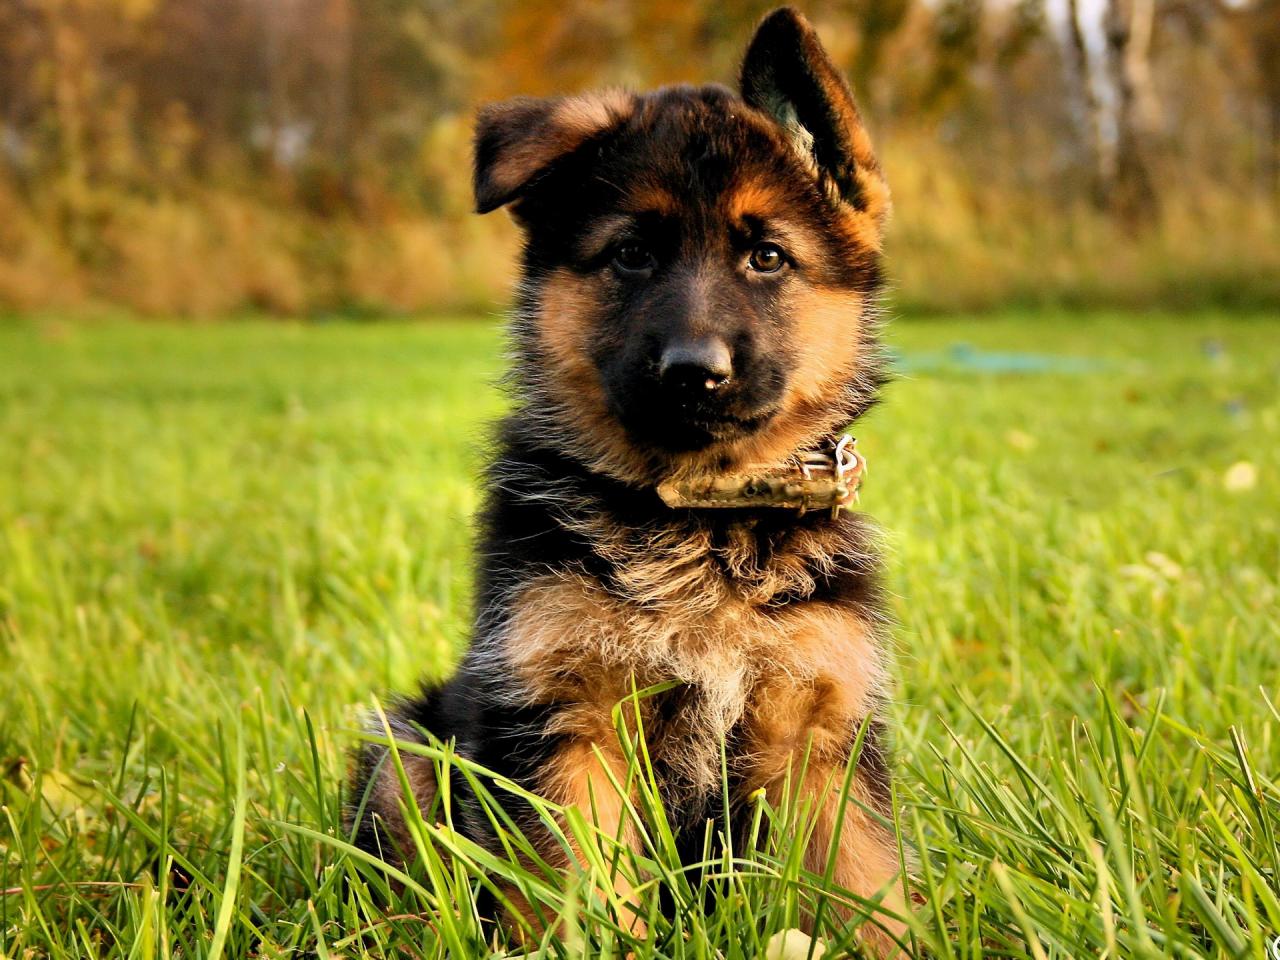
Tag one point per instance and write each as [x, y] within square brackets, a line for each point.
[1128, 25]
[875, 22]
[1101, 158]
[1025, 28]
[958, 48]
[1260, 21]
[334, 132]
[20, 102]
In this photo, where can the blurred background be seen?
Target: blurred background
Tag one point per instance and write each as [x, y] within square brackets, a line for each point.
[310, 157]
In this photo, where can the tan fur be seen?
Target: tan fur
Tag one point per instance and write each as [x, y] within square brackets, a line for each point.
[806, 415]
[570, 642]
[580, 776]
[866, 861]
[753, 198]
[877, 206]
[573, 122]
[827, 339]
[582, 116]
[650, 198]
[572, 383]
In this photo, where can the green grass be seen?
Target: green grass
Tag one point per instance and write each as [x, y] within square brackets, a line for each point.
[217, 544]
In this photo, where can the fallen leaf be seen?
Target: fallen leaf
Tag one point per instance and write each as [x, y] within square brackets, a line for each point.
[1240, 477]
[792, 945]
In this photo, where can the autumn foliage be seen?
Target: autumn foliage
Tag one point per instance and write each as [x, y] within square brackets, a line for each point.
[204, 157]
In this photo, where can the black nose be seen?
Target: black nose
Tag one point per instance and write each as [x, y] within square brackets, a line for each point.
[696, 365]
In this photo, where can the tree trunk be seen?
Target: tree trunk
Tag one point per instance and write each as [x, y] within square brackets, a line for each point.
[1128, 33]
[1099, 157]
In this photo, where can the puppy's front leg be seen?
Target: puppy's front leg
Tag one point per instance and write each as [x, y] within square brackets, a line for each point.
[866, 856]
[578, 774]
[866, 853]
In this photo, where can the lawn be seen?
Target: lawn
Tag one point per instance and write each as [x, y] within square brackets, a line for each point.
[218, 544]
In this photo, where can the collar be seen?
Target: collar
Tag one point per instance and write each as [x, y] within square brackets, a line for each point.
[824, 478]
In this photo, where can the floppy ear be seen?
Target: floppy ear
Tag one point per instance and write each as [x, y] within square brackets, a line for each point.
[517, 141]
[787, 74]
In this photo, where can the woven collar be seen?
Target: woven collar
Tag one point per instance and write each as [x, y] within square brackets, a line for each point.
[826, 478]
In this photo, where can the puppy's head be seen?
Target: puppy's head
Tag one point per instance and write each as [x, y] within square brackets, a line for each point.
[699, 265]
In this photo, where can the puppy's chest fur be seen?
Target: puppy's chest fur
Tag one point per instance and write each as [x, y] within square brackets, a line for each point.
[765, 632]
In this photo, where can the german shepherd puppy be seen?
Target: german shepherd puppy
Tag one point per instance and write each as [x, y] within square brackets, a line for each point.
[696, 317]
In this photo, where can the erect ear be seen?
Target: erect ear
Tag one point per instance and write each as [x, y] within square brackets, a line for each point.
[787, 74]
[517, 141]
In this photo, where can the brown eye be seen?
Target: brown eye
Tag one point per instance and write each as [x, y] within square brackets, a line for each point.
[767, 258]
[633, 258]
